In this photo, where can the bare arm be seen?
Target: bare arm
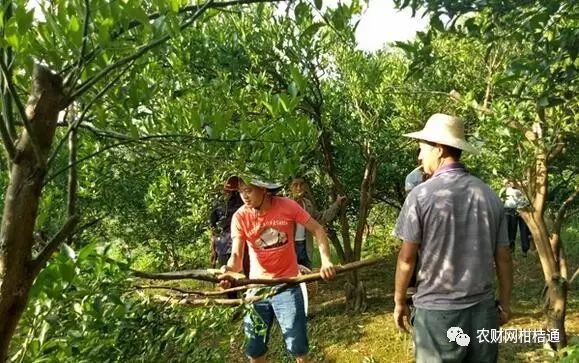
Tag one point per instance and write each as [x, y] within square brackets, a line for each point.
[235, 262]
[504, 265]
[327, 270]
[404, 268]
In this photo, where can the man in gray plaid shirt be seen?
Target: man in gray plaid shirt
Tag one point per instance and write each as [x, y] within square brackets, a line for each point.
[458, 224]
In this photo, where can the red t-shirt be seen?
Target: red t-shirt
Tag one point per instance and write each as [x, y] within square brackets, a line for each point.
[270, 237]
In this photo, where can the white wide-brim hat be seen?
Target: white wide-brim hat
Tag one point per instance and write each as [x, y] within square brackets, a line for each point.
[445, 130]
[233, 183]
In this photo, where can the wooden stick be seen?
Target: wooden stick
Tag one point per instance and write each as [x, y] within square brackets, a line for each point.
[197, 292]
[243, 284]
[212, 276]
[187, 300]
[202, 275]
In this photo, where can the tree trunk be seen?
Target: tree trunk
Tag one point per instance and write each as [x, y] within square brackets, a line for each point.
[555, 292]
[555, 308]
[356, 299]
[355, 290]
[17, 269]
[336, 243]
[366, 191]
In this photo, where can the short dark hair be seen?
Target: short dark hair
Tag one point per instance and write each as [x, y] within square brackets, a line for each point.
[452, 152]
[447, 150]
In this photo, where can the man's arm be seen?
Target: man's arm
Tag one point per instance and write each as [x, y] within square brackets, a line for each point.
[235, 262]
[404, 268]
[504, 266]
[327, 270]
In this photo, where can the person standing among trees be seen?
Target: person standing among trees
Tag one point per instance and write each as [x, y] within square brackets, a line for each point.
[515, 200]
[304, 244]
[266, 225]
[220, 223]
[458, 224]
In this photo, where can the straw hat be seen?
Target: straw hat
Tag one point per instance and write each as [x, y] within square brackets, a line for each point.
[445, 130]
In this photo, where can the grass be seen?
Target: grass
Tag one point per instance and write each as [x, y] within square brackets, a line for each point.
[338, 336]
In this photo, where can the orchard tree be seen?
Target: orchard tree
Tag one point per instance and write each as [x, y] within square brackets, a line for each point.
[72, 56]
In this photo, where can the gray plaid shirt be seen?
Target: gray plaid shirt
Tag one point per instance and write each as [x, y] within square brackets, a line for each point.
[458, 221]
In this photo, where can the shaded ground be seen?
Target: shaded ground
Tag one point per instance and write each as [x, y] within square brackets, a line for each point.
[338, 336]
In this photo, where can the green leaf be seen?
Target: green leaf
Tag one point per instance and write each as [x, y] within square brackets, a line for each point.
[269, 107]
[67, 271]
[283, 102]
[298, 78]
[302, 13]
[312, 30]
[77, 308]
[292, 89]
[43, 330]
[24, 17]
[436, 23]
[407, 47]
[13, 40]
[318, 4]
[74, 24]
[68, 251]
[86, 251]
[175, 4]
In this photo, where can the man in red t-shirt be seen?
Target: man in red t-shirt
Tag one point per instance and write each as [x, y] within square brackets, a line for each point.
[266, 223]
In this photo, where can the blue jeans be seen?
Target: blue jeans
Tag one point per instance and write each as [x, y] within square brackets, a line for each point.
[288, 309]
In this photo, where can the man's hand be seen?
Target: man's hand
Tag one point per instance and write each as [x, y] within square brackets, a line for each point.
[341, 199]
[327, 271]
[228, 276]
[402, 317]
[504, 314]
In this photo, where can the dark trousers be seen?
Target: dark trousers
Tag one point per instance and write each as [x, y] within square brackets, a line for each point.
[302, 254]
[514, 220]
[453, 336]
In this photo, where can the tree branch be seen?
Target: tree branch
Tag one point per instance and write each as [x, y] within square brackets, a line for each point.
[7, 141]
[74, 75]
[130, 140]
[199, 293]
[366, 189]
[187, 9]
[563, 209]
[43, 257]
[212, 275]
[187, 300]
[121, 62]
[21, 110]
[557, 148]
[73, 125]
[574, 276]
